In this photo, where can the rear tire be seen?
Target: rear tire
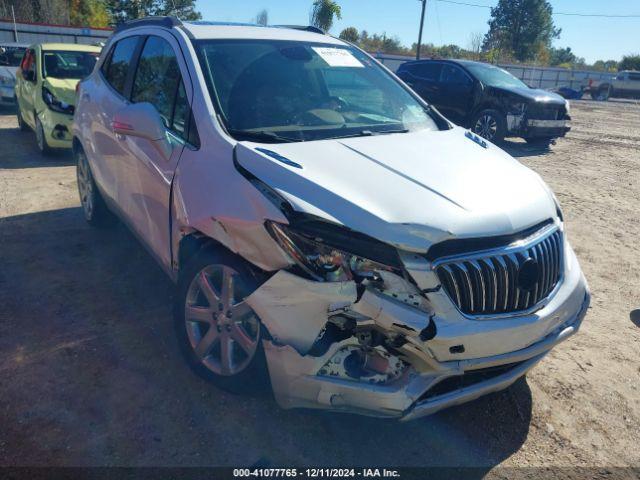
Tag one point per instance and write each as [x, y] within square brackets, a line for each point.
[41, 139]
[490, 124]
[94, 208]
[219, 334]
[21, 123]
[603, 94]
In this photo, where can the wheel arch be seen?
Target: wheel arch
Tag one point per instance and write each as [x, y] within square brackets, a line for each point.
[487, 105]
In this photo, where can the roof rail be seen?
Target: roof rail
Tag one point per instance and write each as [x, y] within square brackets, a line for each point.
[306, 28]
[166, 22]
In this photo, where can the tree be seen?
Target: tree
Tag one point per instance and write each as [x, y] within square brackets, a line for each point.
[89, 12]
[520, 28]
[561, 55]
[262, 18]
[350, 34]
[630, 62]
[123, 10]
[475, 44]
[605, 66]
[323, 13]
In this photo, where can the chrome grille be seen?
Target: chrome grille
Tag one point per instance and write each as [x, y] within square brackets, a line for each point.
[498, 282]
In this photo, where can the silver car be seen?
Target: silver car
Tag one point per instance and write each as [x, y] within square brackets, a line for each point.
[10, 57]
[330, 234]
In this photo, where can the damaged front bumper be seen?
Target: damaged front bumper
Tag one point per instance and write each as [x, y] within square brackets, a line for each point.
[415, 371]
[521, 126]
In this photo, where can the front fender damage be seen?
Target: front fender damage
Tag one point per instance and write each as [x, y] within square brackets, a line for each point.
[346, 346]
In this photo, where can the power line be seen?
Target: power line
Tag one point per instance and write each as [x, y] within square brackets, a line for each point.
[571, 14]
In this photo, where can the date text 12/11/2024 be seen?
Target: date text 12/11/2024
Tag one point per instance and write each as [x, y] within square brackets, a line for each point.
[315, 473]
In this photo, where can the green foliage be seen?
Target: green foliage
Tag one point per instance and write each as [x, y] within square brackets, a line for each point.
[323, 13]
[630, 62]
[123, 10]
[350, 34]
[605, 66]
[520, 28]
[89, 12]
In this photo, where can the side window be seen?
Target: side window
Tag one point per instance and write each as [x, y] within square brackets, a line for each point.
[635, 77]
[157, 78]
[428, 71]
[454, 75]
[117, 65]
[158, 81]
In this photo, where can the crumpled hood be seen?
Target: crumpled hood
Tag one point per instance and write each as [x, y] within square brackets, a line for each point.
[63, 88]
[410, 190]
[534, 94]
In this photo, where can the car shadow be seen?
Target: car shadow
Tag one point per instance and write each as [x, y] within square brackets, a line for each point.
[19, 149]
[522, 149]
[97, 378]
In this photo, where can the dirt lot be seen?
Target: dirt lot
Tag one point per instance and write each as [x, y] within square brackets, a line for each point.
[90, 373]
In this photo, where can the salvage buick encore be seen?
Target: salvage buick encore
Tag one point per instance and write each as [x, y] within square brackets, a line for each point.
[327, 229]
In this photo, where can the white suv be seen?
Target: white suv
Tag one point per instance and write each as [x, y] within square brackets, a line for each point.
[327, 229]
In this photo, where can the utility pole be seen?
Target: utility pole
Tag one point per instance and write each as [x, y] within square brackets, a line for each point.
[15, 27]
[424, 9]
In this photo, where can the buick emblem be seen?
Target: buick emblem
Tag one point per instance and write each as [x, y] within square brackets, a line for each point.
[528, 275]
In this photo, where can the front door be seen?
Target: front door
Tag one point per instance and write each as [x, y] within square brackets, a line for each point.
[146, 175]
[455, 94]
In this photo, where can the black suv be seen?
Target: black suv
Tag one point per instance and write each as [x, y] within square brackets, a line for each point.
[488, 100]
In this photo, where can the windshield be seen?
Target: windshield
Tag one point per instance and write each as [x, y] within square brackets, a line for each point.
[11, 56]
[278, 91]
[494, 76]
[61, 64]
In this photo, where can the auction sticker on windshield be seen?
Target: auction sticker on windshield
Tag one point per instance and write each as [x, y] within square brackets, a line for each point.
[338, 57]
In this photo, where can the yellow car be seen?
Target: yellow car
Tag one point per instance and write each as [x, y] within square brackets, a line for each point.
[46, 88]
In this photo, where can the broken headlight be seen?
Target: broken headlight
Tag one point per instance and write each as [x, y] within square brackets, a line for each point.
[322, 261]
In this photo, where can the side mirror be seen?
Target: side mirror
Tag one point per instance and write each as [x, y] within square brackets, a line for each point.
[142, 120]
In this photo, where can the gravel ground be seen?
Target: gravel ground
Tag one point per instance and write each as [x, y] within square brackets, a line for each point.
[90, 374]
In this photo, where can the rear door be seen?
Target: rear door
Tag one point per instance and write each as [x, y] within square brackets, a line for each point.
[455, 95]
[146, 176]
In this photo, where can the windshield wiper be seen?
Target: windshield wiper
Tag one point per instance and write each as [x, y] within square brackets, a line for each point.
[371, 133]
[263, 136]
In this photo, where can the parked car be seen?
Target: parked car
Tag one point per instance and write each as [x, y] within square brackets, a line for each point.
[488, 100]
[10, 56]
[45, 90]
[626, 84]
[321, 220]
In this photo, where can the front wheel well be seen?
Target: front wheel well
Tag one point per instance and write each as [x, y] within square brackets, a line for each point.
[76, 146]
[480, 108]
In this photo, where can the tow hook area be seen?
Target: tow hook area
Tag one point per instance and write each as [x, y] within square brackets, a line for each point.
[60, 132]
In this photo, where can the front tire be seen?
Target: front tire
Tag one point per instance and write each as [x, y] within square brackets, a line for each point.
[94, 208]
[41, 139]
[219, 334]
[490, 124]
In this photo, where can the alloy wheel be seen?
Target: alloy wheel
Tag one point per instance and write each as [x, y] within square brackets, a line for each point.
[222, 329]
[85, 186]
[486, 126]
